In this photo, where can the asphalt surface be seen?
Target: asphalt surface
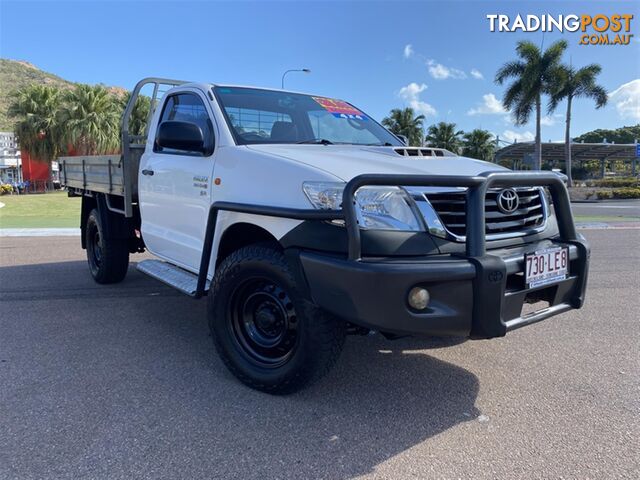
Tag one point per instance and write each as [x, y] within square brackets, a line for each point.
[122, 382]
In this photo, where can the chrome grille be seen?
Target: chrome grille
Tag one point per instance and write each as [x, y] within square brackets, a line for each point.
[531, 214]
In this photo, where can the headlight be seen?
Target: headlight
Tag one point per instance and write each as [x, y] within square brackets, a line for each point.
[380, 208]
[386, 208]
[324, 195]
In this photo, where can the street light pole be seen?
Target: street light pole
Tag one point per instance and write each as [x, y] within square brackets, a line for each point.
[303, 70]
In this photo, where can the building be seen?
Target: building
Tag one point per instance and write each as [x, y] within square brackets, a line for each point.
[10, 159]
[520, 155]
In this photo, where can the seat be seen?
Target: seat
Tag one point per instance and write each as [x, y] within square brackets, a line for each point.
[284, 132]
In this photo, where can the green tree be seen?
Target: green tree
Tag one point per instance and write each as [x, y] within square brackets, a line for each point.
[35, 108]
[534, 74]
[479, 144]
[138, 120]
[91, 119]
[444, 135]
[620, 135]
[403, 121]
[579, 83]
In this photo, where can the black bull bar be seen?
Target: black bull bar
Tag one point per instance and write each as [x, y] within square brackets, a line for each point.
[488, 285]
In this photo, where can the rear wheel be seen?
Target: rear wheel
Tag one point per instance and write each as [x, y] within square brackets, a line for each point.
[268, 335]
[108, 257]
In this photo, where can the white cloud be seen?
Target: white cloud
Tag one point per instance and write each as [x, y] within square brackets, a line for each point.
[547, 121]
[511, 136]
[408, 51]
[411, 95]
[507, 120]
[477, 74]
[627, 99]
[490, 106]
[440, 72]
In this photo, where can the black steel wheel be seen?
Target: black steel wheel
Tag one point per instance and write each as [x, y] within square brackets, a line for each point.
[268, 335]
[94, 246]
[264, 322]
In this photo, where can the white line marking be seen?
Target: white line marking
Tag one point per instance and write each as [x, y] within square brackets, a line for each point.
[606, 206]
[39, 232]
[604, 226]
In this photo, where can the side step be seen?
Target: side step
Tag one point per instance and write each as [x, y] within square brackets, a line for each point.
[173, 276]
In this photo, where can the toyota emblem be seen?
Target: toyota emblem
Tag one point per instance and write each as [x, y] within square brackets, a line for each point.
[508, 201]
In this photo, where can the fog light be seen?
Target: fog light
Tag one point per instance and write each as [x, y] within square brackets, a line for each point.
[418, 298]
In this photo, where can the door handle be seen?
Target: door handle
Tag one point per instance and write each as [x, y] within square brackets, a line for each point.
[147, 172]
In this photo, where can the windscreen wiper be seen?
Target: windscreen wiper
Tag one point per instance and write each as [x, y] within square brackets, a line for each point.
[318, 141]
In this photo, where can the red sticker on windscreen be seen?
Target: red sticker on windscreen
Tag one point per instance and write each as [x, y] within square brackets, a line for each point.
[340, 108]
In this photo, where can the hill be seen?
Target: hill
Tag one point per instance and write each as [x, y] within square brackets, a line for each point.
[619, 135]
[17, 74]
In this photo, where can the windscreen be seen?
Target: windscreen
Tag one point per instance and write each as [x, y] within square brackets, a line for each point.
[269, 116]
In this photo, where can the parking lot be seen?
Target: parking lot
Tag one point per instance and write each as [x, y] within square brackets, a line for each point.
[122, 382]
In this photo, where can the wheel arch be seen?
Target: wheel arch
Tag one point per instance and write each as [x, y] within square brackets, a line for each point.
[242, 234]
[115, 225]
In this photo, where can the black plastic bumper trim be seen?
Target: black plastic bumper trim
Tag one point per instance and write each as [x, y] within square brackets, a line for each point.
[468, 295]
[490, 278]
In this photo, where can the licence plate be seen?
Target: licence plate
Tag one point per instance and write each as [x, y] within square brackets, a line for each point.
[546, 266]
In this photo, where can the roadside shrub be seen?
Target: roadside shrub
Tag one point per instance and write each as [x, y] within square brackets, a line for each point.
[604, 195]
[6, 189]
[631, 192]
[580, 174]
[620, 182]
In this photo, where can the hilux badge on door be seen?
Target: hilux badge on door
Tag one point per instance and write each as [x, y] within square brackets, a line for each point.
[508, 201]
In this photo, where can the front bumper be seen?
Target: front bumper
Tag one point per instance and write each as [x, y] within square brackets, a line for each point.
[477, 297]
[480, 294]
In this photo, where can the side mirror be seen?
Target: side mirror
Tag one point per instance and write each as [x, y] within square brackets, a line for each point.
[184, 136]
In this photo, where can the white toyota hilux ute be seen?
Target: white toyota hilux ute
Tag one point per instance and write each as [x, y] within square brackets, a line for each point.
[302, 220]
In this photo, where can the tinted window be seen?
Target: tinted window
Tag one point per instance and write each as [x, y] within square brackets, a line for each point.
[326, 125]
[187, 107]
[272, 116]
[257, 122]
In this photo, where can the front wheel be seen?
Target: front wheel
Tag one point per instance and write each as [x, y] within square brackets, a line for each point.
[267, 334]
[108, 257]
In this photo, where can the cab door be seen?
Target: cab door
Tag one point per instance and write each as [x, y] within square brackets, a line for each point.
[174, 187]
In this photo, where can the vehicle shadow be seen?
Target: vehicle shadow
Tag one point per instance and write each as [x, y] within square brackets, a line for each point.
[386, 397]
[133, 380]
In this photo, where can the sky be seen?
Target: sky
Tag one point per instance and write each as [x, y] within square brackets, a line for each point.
[439, 57]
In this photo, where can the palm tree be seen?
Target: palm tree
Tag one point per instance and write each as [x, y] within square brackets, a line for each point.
[577, 84]
[444, 135]
[535, 73]
[479, 144]
[138, 120]
[405, 122]
[91, 116]
[36, 109]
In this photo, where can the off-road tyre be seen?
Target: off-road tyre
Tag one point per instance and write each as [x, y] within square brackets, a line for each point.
[108, 258]
[267, 333]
